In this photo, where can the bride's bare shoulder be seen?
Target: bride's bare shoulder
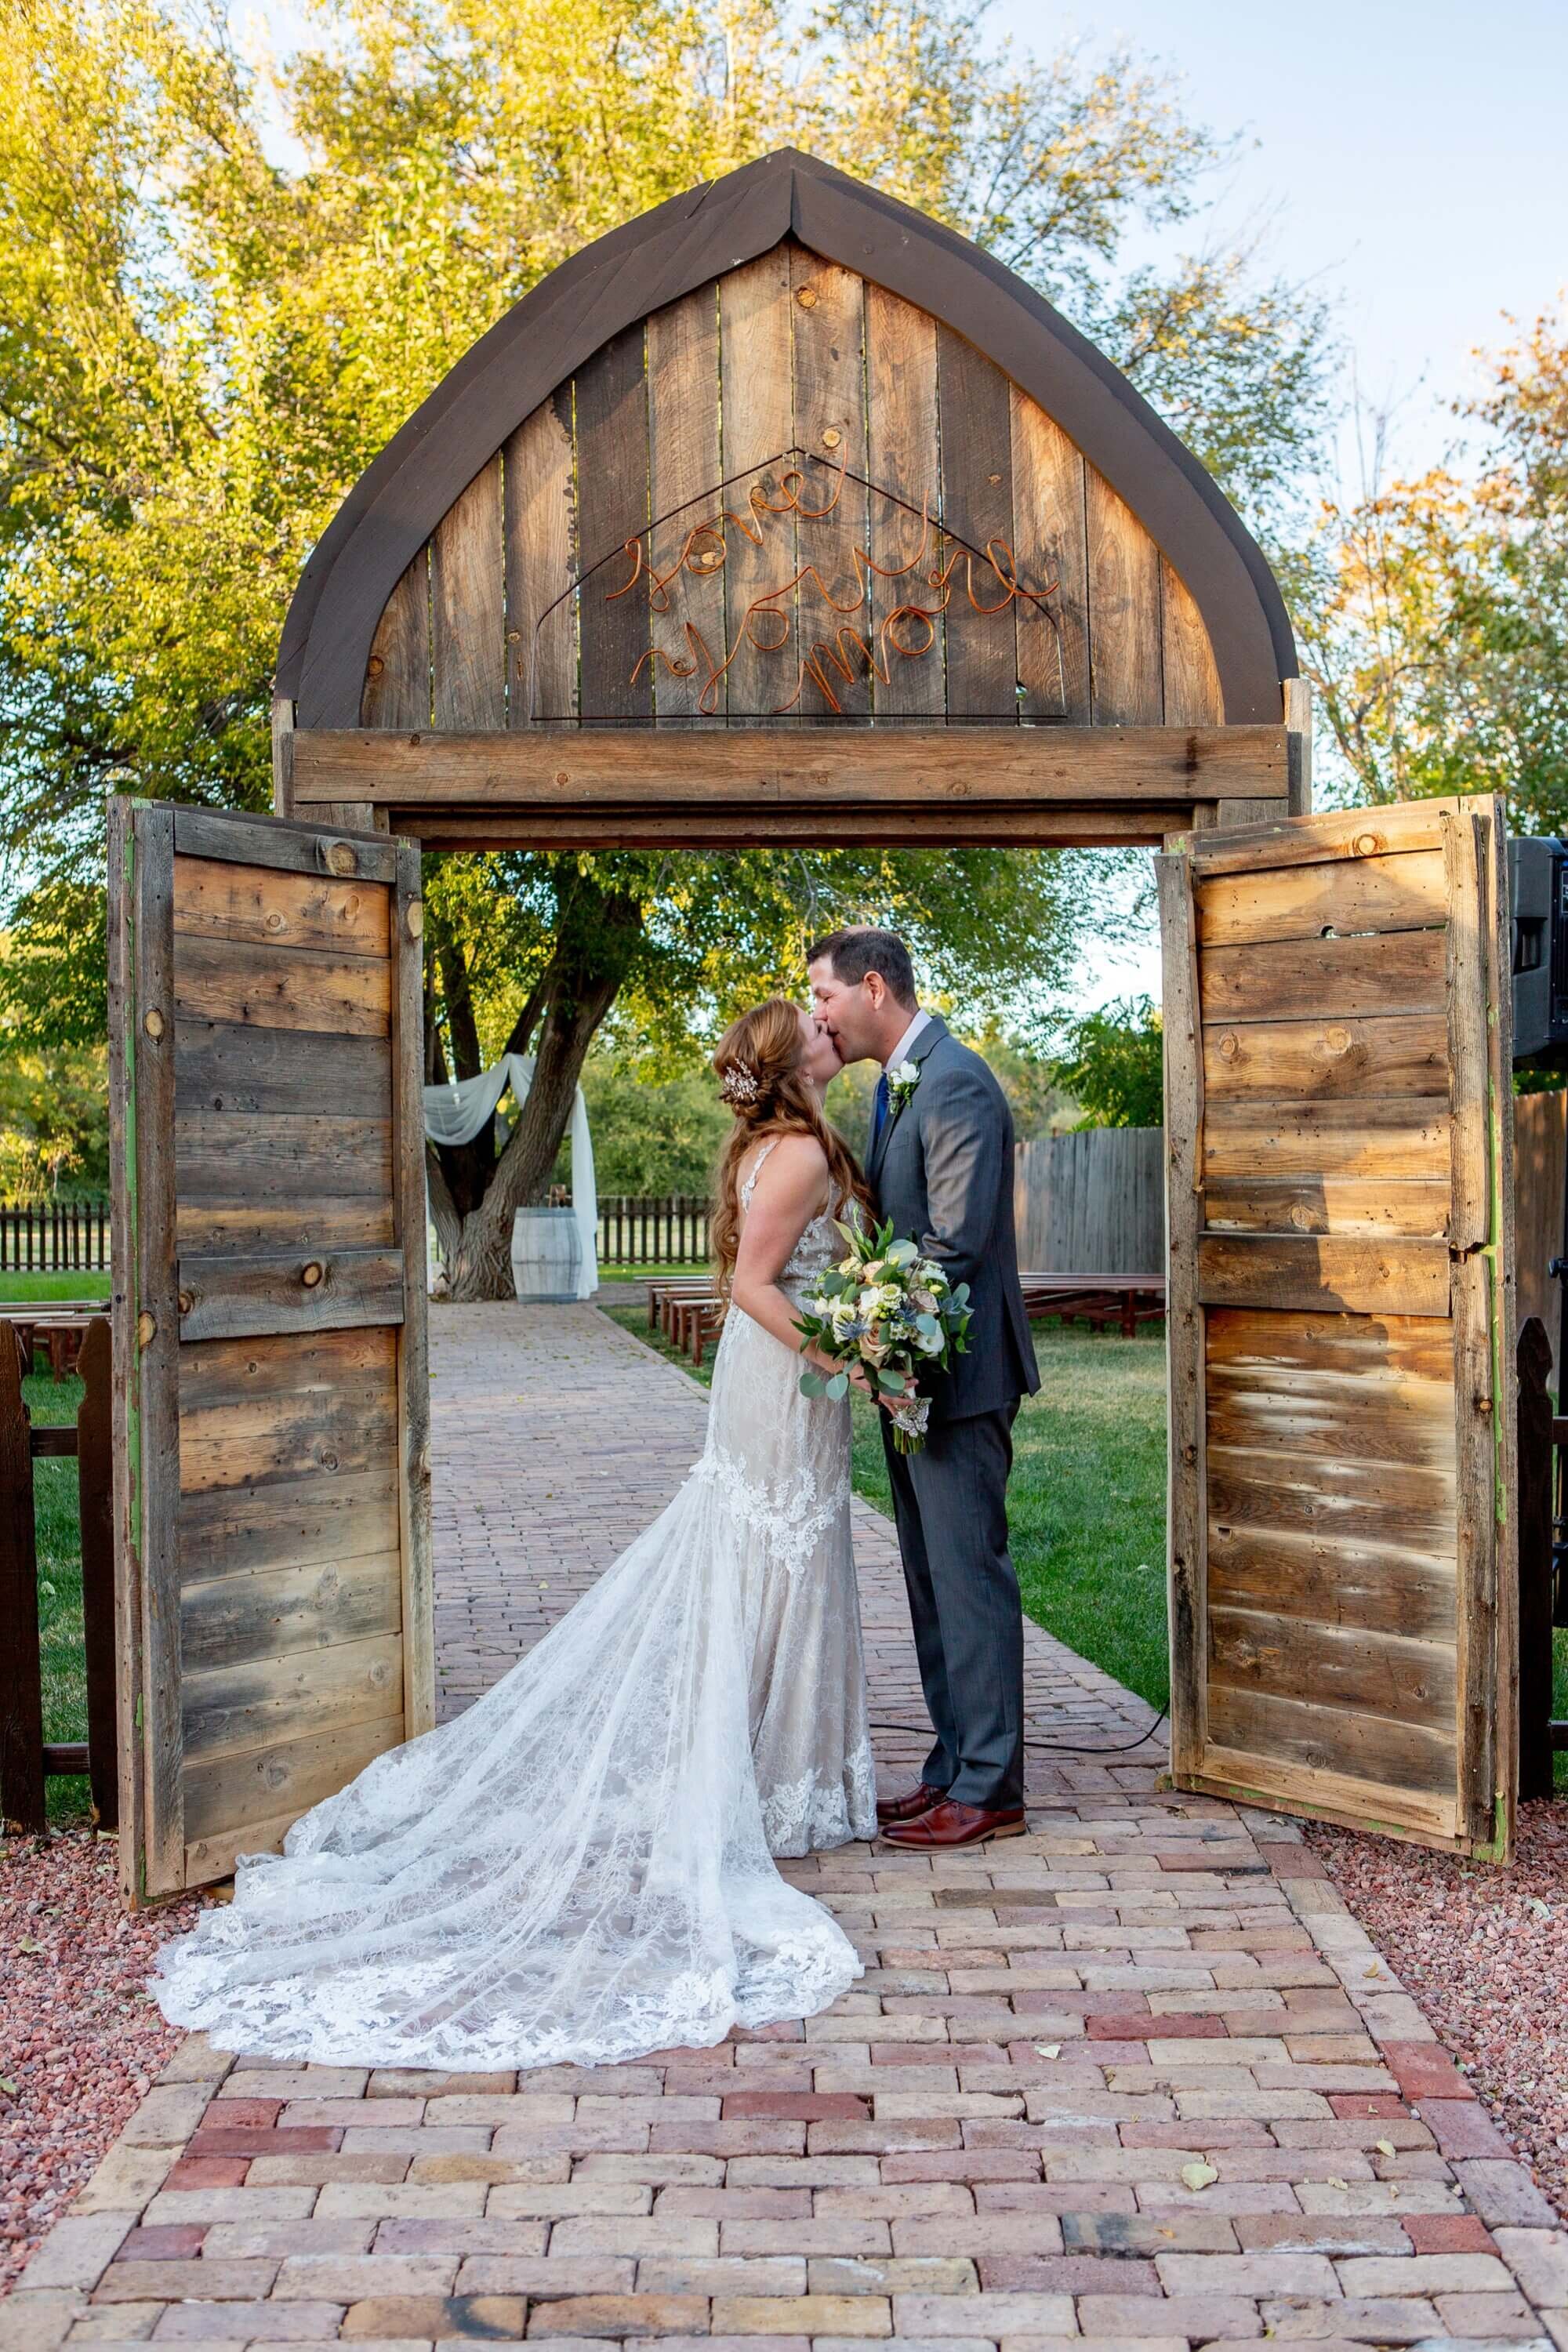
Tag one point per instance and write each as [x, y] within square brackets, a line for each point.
[786, 1166]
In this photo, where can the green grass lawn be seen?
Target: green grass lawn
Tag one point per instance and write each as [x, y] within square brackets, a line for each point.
[15, 1287]
[1087, 1500]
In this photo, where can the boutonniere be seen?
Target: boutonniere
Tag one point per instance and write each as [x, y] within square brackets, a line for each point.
[902, 1081]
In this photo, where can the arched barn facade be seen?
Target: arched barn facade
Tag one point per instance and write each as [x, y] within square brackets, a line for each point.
[784, 514]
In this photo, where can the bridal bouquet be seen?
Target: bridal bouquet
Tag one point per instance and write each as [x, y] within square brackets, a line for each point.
[890, 1310]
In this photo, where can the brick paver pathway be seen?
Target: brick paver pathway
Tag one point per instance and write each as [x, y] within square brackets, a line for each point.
[1137, 2078]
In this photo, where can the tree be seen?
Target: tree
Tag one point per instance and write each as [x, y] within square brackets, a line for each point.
[202, 346]
[1435, 610]
[1113, 1066]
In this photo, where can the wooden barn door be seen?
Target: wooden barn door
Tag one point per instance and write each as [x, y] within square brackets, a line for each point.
[271, 1516]
[1343, 1545]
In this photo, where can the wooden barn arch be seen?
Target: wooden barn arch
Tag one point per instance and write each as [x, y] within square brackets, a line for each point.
[784, 514]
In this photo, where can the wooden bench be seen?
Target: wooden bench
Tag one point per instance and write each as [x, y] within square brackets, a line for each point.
[59, 1327]
[1098, 1299]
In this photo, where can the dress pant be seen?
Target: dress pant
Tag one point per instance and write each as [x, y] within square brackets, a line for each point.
[950, 1503]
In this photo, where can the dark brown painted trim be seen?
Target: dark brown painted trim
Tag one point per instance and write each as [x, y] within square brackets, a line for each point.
[397, 502]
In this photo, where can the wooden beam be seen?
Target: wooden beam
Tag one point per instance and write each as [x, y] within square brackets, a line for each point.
[1073, 825]
[928, 768]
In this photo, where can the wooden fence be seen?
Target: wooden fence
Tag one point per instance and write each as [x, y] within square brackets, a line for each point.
[639, 1229]
[54, 1237]
[1093, 1202]
[1539, 1125]
[26, 1758]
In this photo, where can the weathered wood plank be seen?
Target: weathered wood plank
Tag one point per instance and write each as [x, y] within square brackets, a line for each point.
[1357, 1502]
[1387, 1054]
[221, 1372]
[1192, 688]
[539, 488]
[226, 1066]
[223, 901]
[468, 587]
[304, 1522]
[282, 1437]
[1392, 1134]
[1299, 737]
[684, 472]
[265, 1794]
[233, 1156]
[1404, 892]
[1186, 1474]
[906, 502]
[1050, 543]
[1334, 837]
[613, 620]
[1387, 1676]
[1378, 1588]
[331, 1290]
[1371, 1348]
[121, 943]
[1357, 1803]
[1467, 1035]
[1013, 824]
[828, 359]
[233, 1707]
[918, 766]
[397, 675]
[415, 1538]
[1335, 1204]
[1123, 613]
[240, 1229]
[236, 1620]
[974, 401]
[1343, 1414]
[1488, 817]
[270, 988]
[154, 1316]
[1393, 1757]
[1341, 980]
[304, 848]
[1359, 1274]
[755, 335]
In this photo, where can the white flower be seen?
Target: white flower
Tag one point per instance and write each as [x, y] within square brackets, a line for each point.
[902, 1080]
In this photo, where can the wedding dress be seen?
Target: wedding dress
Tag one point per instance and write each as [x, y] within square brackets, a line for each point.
[579, 1869]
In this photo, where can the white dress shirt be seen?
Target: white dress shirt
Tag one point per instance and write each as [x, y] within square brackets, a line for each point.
[901, 1051]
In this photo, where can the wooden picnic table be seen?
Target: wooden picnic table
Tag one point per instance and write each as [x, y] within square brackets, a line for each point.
[686, 1310]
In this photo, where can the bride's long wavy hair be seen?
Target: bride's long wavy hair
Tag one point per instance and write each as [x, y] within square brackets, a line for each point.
[758, 1061]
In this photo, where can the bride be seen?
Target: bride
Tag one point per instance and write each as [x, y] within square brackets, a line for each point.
[579, 1869]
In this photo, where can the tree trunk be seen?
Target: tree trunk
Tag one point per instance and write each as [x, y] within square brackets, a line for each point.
[596, 939]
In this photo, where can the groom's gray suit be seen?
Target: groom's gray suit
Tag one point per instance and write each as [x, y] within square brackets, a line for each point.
[941, 1169]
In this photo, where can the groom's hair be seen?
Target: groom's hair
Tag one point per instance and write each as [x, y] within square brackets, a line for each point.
[861, 949]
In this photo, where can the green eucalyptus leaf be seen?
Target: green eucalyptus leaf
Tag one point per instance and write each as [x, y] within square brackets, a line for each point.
[839, 1387]
[812, 1384]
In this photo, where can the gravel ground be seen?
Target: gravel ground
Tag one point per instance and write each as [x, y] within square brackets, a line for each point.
[1485, 1953]
[79, 2040]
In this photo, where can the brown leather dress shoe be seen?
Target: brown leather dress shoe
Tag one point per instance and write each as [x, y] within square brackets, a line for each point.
[912, 1802]
[950, 1824]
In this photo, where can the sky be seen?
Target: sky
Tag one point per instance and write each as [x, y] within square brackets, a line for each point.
[1408, 158]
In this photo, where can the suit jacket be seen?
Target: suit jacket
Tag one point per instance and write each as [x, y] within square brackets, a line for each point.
[942, 1170]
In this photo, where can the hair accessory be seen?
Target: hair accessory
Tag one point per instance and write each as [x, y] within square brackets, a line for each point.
[738, 1085]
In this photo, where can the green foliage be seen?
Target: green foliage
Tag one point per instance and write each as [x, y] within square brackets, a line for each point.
[1435, 612]
[54, 1091]
[1113, 1066]
[651, 1135]
[202, 347]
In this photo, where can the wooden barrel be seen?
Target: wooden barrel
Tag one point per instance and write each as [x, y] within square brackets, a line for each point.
[546, 1255]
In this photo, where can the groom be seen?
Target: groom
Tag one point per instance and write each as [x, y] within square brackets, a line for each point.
[941, 1164]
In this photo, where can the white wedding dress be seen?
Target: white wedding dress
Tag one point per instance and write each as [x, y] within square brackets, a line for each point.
[579, 1869]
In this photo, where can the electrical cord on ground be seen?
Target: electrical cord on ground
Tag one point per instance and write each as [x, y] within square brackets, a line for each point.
[1052, 1746]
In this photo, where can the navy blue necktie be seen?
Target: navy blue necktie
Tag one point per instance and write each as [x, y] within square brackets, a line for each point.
[879, 1112]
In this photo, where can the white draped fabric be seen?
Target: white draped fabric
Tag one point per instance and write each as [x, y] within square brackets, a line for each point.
[455, 1112]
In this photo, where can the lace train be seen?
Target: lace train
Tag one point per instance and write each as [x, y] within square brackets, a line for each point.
[579, 1869]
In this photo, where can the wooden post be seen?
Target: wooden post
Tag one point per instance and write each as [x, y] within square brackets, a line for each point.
[95, 1482]
[1534, 1363]
[21, 1683]
[1298, 746]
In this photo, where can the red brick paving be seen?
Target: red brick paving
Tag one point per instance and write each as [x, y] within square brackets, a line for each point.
[988, 2143]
